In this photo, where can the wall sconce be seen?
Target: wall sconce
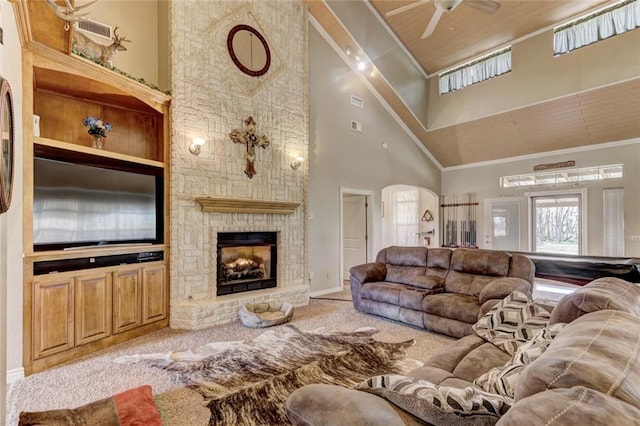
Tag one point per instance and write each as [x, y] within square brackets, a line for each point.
[296, 162]
[196, 146]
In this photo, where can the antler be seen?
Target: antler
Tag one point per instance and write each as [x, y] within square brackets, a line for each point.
[117, 38]
[68, 12]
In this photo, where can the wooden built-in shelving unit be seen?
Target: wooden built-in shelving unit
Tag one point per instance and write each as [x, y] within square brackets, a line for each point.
[74, 312]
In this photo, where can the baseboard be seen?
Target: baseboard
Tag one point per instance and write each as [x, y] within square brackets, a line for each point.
[325, 291]
[14, 375]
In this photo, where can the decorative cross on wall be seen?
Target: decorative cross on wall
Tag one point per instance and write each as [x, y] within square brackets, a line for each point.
[249, 137]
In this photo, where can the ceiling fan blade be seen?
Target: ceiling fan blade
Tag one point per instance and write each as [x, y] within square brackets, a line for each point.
[406, 7]
[486, 6]
[432, 23]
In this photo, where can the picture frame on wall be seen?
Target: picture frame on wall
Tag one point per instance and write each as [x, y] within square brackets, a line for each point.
[7, 143]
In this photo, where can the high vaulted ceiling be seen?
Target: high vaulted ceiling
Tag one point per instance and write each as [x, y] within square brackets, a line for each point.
[577, 116]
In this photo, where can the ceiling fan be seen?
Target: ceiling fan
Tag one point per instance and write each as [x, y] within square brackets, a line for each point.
[442, 6]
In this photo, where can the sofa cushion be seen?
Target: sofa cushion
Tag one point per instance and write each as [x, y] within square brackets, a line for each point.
[575, 406]
[439, 258]
[451, 305]
[407, 256]
[405, 274]
[512, 322]
[438, 404]
[600, 350]
[481, 262]
[503, 380]
[449, 358]
[463, 283]
[449, 326]
[599, 294]
[382, 292]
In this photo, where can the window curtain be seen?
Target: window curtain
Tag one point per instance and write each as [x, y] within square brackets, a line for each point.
[613, 219]
[625, 17]
[405, 217]
[476, 72]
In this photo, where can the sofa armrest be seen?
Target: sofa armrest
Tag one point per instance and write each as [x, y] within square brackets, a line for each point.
[369, 272]
[502, 287]
[320, 404]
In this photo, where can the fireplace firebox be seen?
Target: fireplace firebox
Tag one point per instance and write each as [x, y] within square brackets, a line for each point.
[246, 261]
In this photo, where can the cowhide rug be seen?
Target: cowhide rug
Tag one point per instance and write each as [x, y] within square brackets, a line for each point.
[247, 383]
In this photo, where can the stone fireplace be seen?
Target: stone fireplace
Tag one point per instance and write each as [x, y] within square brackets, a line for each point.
[246, 261]
[210, 195]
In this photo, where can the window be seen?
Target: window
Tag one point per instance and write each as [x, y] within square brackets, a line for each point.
[405, 217]
[484, 68]
[564, 176]
[612, 20]
[558, 222]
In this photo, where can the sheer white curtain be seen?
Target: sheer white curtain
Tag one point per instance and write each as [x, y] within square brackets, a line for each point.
[476, 72]
[613, 219]
[405, 216]
[623, 18]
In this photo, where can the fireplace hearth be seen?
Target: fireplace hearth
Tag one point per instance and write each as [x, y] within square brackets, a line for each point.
[246, 261]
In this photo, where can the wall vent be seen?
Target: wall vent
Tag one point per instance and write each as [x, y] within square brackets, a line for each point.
[356, 126]
[95, 28]
[356, 101]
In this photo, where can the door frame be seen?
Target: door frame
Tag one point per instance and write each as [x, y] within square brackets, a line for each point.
[584, 207]
[488, 221]
[370, 199]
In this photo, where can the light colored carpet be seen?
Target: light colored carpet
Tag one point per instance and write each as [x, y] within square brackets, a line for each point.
[96, 376]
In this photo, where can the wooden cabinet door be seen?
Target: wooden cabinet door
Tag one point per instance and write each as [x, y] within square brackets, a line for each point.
[52, 321]
[154, 294]
[93, 307]
[127, 299]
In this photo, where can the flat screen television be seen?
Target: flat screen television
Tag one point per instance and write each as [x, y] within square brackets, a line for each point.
[78, 205]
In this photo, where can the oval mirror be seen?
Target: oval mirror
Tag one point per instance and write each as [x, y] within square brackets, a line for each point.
[249, 50]
[6, 145]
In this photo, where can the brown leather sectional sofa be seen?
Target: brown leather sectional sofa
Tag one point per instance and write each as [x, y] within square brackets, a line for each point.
[441, 289]
[588, 375]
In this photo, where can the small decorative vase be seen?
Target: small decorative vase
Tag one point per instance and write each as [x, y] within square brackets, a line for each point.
[97, 142]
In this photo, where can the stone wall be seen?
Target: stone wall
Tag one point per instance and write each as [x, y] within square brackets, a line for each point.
[211, 97]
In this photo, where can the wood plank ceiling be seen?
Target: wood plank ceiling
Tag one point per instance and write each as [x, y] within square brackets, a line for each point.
[588, 118]
[466, 32]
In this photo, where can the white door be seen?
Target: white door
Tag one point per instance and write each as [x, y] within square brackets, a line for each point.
[502, 223]
[355, 231]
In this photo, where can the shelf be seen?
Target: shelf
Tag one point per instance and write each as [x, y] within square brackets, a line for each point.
[81, 78]
[93, 251]
[50, 148]
[238, 205]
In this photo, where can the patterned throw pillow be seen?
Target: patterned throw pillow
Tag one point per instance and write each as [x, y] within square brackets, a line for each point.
[438, 404]
[512, 322]
[133, 407]
[503, 380]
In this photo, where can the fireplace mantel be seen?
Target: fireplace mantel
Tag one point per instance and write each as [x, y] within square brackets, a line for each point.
[239, 205]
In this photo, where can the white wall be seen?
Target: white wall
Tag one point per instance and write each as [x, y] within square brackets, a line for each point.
[11, 222]
[138, 21]
[339, 157]
[484, 181]
[537, 76]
